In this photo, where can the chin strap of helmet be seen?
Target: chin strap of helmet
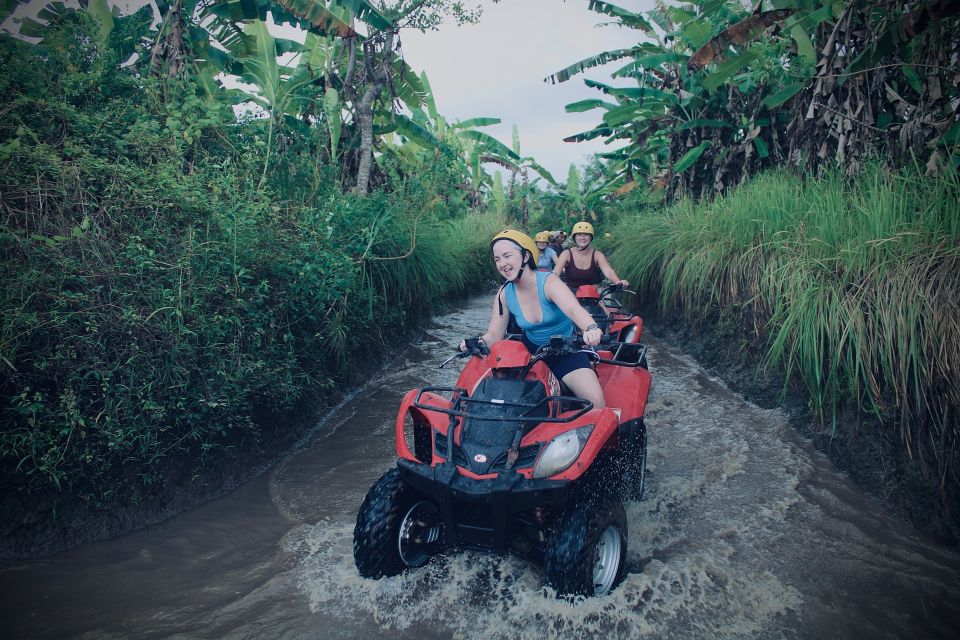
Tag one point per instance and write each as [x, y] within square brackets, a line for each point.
[523, 266]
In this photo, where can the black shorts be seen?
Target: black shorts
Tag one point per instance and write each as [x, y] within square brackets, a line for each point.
[560, 364]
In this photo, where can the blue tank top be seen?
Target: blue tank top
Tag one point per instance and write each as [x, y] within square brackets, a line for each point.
[554, 323]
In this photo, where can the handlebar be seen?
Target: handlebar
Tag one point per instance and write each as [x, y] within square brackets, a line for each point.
[475, 347]
[567, 344]
[605, 295]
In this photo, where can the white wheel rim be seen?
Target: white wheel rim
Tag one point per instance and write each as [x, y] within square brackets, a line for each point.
[415, 553]
[606, 565]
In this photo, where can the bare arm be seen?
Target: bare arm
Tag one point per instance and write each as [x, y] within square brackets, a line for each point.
[608, 271]
[561, 263]
[558, 293]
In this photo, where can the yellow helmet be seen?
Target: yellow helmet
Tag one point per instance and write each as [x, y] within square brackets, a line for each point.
[543, 236]
[582, 227]
[523, 241]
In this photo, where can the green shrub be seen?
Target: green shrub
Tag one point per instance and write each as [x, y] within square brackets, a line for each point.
[154, 298]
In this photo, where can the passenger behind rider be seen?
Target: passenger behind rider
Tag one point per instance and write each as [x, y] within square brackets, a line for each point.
[581, 264]
[543, 307]
[548, 256]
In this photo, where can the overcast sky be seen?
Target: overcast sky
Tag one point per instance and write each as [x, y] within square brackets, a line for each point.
[496, 69]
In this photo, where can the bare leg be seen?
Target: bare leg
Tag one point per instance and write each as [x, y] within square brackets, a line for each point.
[584, 384]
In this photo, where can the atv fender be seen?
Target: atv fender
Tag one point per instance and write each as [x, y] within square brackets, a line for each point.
[605, 434]
[423, 420]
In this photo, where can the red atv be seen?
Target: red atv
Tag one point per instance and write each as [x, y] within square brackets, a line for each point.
[613, 318]
[504, 461]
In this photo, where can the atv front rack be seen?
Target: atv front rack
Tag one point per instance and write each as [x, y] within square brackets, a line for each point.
[459, 395]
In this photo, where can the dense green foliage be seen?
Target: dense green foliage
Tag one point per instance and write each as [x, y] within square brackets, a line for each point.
[156, 297]
[715, 92]
[853, 286]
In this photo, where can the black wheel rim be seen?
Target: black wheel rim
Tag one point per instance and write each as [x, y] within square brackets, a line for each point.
[419, 534]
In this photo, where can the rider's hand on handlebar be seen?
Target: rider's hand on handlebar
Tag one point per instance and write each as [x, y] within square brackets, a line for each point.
[592, 337]
[624, 283]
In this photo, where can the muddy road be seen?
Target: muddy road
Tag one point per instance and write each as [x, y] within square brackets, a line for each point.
[745, 532]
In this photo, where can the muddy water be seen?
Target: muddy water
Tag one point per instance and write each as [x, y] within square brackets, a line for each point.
[744, 532]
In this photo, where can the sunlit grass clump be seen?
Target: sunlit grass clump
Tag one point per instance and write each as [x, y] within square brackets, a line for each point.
[855, 287]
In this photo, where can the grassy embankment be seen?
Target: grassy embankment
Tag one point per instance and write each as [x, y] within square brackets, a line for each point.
[161, 305]
[850, 288]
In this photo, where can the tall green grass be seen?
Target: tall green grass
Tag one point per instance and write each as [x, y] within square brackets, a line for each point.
[855, 286]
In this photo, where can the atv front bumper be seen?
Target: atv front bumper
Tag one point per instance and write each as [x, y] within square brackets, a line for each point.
[483, 513]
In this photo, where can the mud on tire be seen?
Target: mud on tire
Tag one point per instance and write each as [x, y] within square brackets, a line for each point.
[376, 547]
[572, 552]
[635, 480]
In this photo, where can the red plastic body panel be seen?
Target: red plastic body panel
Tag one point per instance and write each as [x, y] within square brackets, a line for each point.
[508, 354]
[588, 292]
[625, 388]
[437, 421]
[618, 326]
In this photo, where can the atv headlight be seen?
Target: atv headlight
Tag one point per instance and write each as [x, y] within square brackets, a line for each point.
[561, 452]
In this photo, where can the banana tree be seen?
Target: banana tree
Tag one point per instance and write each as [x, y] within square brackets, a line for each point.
[683, 132]
[427, 130]
[97, 9]
[722, 92]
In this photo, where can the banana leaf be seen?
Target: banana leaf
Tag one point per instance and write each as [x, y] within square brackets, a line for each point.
[587, 105]
[593, 61]
[541, 170]
[589, 135]
[736, 35]
[627, 18]
[776, 99]
[415, 132]
[324, 19]
[368, 13]
[9, 6]
[475, 122]
[430, 101]
[649, 61]
[407, 83]
[97, 9]
[690, 157]
[489, 143]
[637, 93]
[635, 111]
[725, 70]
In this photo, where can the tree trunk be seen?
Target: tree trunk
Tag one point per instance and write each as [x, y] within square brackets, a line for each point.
[170, 50]
[378, 75]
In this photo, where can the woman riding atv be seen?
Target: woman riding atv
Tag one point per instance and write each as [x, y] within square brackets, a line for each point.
[581, 264]
[543, 307]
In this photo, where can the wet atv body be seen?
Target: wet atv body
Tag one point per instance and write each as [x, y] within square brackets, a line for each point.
[613, 318]
[503, 461]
